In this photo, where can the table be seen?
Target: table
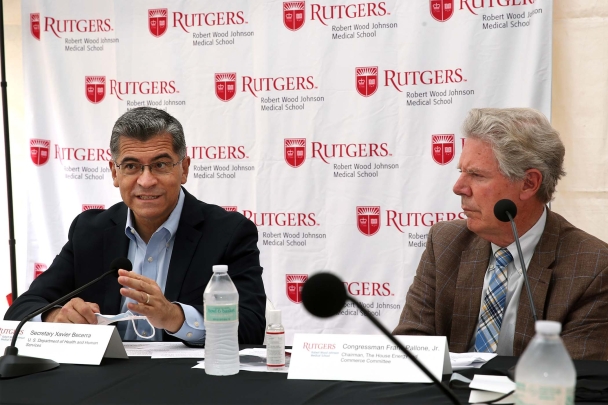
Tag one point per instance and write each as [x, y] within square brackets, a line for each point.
[141, 380]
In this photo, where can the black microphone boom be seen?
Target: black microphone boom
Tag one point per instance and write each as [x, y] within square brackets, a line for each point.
[505, 210]
[324, 295]
[13, 365]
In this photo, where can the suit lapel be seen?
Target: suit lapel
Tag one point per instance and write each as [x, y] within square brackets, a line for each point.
[115, 244]
[467, 299]
[539, 276]
[186, 240]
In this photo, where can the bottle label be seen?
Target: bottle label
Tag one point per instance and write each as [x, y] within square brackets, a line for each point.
[221, 313]
[275, 349]
[536, 394]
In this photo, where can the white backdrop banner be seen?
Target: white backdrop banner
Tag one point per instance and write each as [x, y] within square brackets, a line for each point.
[333, 125]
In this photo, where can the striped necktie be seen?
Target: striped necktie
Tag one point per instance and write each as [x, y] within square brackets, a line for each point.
[493, 307]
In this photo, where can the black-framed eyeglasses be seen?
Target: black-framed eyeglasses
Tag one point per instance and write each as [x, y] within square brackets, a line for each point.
[134, 168]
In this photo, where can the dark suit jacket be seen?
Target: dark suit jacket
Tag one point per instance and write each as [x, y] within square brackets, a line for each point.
[207, 235]
[568, 279]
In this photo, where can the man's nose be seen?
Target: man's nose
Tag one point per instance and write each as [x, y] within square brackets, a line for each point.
[146, 179]
[460, 187]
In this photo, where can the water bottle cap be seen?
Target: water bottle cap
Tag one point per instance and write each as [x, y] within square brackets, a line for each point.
[220, 268]
[274, 316]
[548, 327]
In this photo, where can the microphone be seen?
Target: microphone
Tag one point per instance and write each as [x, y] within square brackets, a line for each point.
[13, 365]
[324, 295]
[505, 210]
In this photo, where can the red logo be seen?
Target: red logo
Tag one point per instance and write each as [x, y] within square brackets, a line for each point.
[86, 207]
[367, 80]
[294, 14]
[295, 151]
[441, 10]
[295, 282]
[225, 86]
[39, 151]
[230, 208]
[35, 25]
[39, 268]
[9, 299]
[443, 148]
[95, 88]
[368, 220]
[157, 21]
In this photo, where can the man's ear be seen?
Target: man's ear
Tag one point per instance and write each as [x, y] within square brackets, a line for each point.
[531, 184]
[113, 169]
[185, 167]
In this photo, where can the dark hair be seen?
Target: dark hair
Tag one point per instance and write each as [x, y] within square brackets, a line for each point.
[144, 123]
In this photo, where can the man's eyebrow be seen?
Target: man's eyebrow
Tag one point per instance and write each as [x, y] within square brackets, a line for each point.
[155, 158]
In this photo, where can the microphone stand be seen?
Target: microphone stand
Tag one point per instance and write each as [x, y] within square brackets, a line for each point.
[13, 365]
[409, 354]
[523, 265]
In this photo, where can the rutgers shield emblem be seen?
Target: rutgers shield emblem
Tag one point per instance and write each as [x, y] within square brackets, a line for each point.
[93, 207]
[225, 86]
[295, 282]
[367, 80]
[39, 151]
[95, 88]
[157, 21]
[229, 208]
[295, 151]
[441, 10]
[293, 14]
[443, 148]
[39, 268]
[35, 25]
[368, 220]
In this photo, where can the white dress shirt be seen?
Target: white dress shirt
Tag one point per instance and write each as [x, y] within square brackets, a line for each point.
[515, 278]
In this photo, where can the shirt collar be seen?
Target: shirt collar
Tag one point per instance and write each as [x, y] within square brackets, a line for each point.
[170, 224]
[528, 242]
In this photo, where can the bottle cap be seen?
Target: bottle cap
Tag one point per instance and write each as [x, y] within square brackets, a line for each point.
[548, 327]
[220, 268]
[274, 317]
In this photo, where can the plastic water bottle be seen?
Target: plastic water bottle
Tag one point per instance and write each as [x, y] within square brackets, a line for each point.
[221, 322]
[545, 373]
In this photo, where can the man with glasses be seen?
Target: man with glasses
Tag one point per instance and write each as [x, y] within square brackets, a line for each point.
[172, 239]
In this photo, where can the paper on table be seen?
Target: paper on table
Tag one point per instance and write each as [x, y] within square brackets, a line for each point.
[254, 360]
[462, 361]
[492, 383]
[478, 397]
[163, 350]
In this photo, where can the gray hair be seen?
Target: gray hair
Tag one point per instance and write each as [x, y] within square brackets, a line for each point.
[144, 123]
[521, 139]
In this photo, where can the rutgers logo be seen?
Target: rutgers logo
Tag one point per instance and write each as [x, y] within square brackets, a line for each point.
[95, 88]
[229, 208]
[295, 282]
[368, 220]
[443, 148]
[367, 80]
[39, 268]
[157, 21]
[35, 25]
[295, 151]
[225, 86]
[86, 207]
[294, 14]
[39, 151]
[441, 10]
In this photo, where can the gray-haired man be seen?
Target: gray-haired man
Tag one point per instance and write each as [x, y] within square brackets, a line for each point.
[469, 282]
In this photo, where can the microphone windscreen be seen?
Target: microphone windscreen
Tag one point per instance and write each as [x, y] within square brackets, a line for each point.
[323, 295]
[121, 263]
[502, 207]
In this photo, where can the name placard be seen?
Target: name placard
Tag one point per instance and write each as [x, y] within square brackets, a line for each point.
[64, 342]
[372, 358]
